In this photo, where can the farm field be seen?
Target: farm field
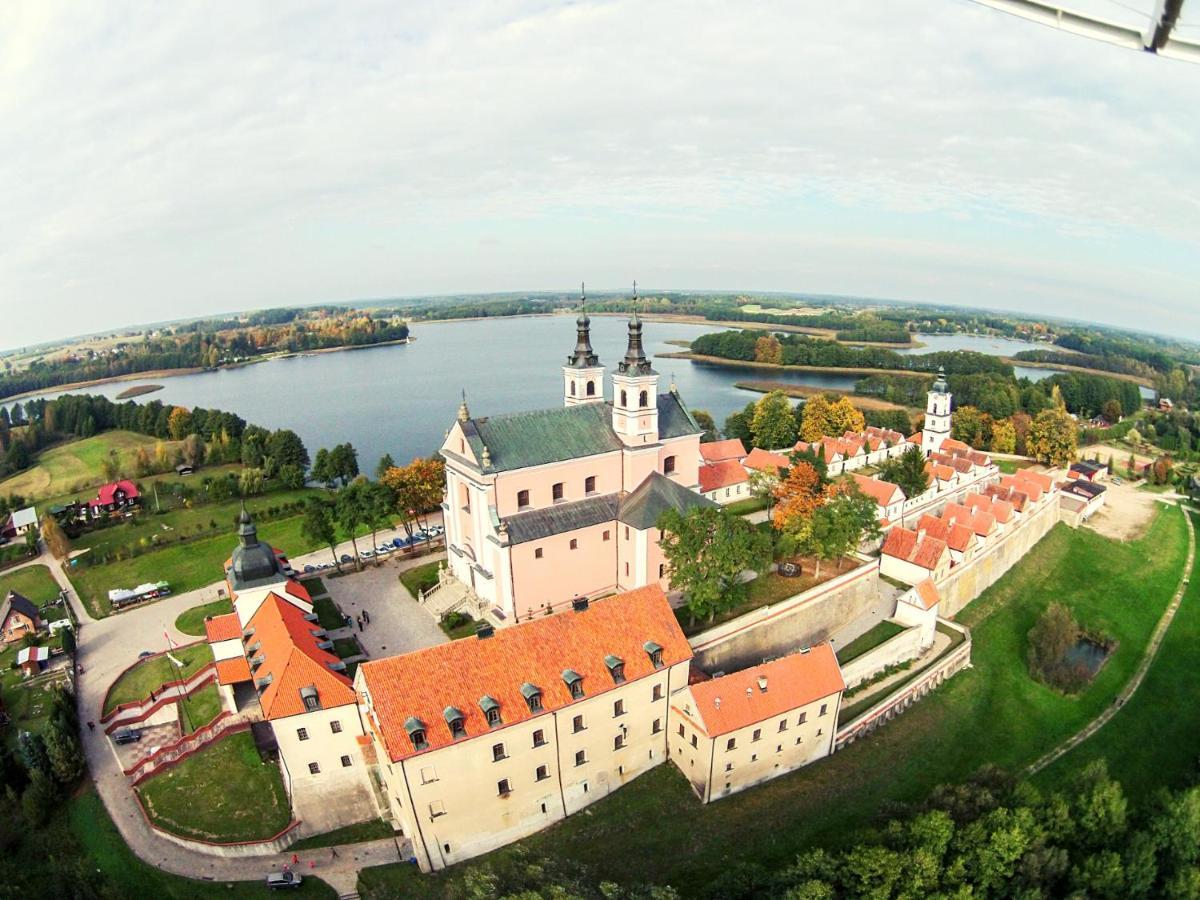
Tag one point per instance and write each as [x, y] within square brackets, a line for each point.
[74, 467]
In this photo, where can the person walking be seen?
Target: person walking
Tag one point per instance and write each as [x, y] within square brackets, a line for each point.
[367, 615]
[360, 623]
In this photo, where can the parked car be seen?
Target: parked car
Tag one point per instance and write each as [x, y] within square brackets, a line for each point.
[144, 654]
[384, 548]
[400, 543]
[280, 880]
[127, 736]
[367, 554]
[309, 568]
[435, 530]
[346, 557]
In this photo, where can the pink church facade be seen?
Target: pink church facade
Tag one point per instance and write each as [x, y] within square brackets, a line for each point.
[547, 506]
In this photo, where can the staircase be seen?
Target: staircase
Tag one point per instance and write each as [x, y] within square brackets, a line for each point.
[447, 596]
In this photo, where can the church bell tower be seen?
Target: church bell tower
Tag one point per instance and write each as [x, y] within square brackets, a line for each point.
[937, 415]
[583, 376]
[635, 390]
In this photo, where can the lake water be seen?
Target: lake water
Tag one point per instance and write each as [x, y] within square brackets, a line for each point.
[979, 343]
[401, 399]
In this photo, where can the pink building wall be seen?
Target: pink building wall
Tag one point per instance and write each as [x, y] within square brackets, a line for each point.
[562, 573]
[572, 473]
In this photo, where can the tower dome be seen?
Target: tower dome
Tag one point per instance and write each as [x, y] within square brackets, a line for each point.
[253, 562]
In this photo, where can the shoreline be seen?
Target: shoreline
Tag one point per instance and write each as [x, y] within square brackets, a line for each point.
[778, 367]
[804, 391]
[1083, 370]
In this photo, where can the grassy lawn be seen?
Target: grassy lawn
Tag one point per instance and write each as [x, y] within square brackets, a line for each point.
[327, 614]
[868, 641]
[191, 621]
[74, 467]
[33, 582]
[344, 647]
[747, 506]
[243, 796]
[464, 626]
[200, 708]
[993, 712]
[371, 830]
[29, 708]
[314, 586]
[150, 674]
[1010, 466]
[1164, 707]
[420, 578]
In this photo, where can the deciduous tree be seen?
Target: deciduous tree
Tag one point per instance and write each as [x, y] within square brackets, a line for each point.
[844, 416]
[767, 349]
[815, 420]
[1004, 436]
[1053, 438]
[705, 420]
[56, 540]
[773, 425]
[179, 423]
[318, 526]
[797, 497]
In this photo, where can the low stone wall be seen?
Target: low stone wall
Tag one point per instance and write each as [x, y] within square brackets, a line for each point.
[139, 711]
[176, 752]
[897, 649]
[123, 706]
[781, 628]
[268, 847]
[897, 702]
[968, 581]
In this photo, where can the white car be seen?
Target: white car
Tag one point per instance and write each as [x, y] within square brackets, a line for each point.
[367, 554]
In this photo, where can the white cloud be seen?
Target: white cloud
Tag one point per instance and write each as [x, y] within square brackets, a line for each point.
[167, 161]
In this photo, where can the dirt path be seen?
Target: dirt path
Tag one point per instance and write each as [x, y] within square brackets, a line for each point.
[1156, 639]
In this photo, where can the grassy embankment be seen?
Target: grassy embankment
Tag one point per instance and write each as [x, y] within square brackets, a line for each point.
[992, 713]
[67, 469]
[150, 674]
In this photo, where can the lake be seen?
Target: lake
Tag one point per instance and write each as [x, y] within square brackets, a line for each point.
[400, 399]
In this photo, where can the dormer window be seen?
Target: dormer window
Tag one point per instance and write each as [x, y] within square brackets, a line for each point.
[457, 723]
[312, 701]
[616, 668]
[574, 683]
[491, 709]
[654, 651]
[416, 733]
[533, 696]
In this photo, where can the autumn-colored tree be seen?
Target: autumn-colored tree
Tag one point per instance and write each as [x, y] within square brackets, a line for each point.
[142, 464]
[774, 426]
[179, 423]
[1021, 422]
[1052, 437]
[1004, 436]
[815, 421]
[416, 489]
[968, 426]
[193, 450]
[796, 498]
[163, 459]
[767, 349]
[56, 540]
[844, 416]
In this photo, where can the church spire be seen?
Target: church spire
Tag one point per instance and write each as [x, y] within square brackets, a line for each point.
[635, 362]
[247, 533]
[584, 356]
[463, 413]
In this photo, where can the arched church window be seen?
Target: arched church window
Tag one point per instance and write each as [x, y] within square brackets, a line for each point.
[572, 389]
[591, 389]
[642, 400]
[624, 399]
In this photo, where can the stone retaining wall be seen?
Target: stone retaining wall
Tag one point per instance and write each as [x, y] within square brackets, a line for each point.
[268, 847]
[897, 649]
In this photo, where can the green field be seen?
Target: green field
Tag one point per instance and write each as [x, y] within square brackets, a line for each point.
[244, 798]
[991, 713]
[191, 621]
[868, 641]
[34, 582]
[74, 467]
[150, 674]
[420, 578]
[200, 708]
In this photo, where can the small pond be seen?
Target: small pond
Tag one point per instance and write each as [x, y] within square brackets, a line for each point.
[1087, 655]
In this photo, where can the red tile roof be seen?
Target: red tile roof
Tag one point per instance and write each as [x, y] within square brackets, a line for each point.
[1041, 479]
[223, 628]
[954, 444]
[957, 537]
[980, 522]
[927, 592]
[883, 493]
[105, 495]
[903, 544]
[737, 700]
[763, 460]
[292, 660]
[233, 671]
[722, 474]
[720, 451]
[942, 472]
[1030, 489]
[424, 683]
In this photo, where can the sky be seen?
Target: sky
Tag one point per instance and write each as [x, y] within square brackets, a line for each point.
[162, 161]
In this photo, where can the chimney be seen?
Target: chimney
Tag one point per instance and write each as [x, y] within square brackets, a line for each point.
[717, 702]
[579, 604]
[920, 535]
[762, 683]
[484, 630]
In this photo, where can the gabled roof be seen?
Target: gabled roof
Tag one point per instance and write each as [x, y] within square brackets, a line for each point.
[1007, 494]
[719, 451]
[32, 654]
[653, 497]
[674, 420]
[979, 521]
[1087, 467]
[928, 593]
[903, 544]
[884, 493]
[23, 518]
[107, 492]
[1031, 489]
[765, 461]
[1041, 479]
[1083, 488]
[293, 661]
[942, 472]
[15, 602]
[954, 444]
[233, 671]
[422, 685]
[223, 628]
[720, 474]
[958, 537]
[560, 518]
[738, 700]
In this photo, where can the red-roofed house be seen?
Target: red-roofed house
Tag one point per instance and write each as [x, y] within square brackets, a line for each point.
[725, 481]
[723, 451]
[741, 729]
[887, 496]
[911, 556]
[759, 460]
[919, 606]
[483, 741]
[960, 540]
[113, 498]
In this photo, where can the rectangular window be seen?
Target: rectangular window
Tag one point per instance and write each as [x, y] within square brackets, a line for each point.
[314, 768]
[757, 736]
[657, 695]
[574, 544]
[824, 706]
[662, 570]
[626, 568]
[346, 762]
[543, 772]
[693, 740]
[619, 742]
[503, 788]
[537, 552]
[580, 757]
[522, 499]
[730, 744]
[437, 808]
[618, 708]
[607, 535]
[428, 775]
[657, 726]
[302, 734]
[681, 731]
[803, 718]
[335, 726]
[557, 491]
[497, 752]
[783, 724]
[577, 723]
[668, 465]
[589, 484]
[626, 532]
[728, 767]
[539, 738]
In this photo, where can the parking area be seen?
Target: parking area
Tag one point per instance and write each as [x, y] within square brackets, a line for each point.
[397, 623]
[394, 546]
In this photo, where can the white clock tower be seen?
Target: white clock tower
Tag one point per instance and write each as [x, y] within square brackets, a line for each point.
[937, 415]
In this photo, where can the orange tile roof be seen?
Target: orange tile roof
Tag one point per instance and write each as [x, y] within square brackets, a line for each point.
[977, 520]
[882, 492]
[943, 473]
[915, 438]
[954, 444]
[223, 628]
[901, 543]
[736, 701]
[763, 460]
[1007, 494]
[927, 592]
[719, 451]
[1041, 479]
[422, 684]
[722, 474]
[1030, 489]
[886, 434]
[1001, 510]
[233, 671]
[293, 661]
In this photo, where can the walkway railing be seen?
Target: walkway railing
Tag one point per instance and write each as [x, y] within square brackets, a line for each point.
[176, 752]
